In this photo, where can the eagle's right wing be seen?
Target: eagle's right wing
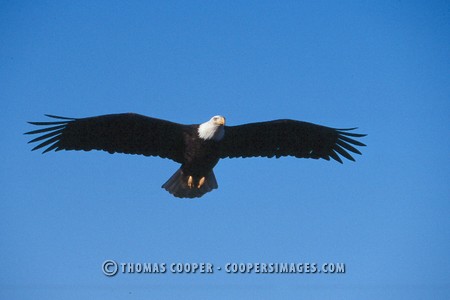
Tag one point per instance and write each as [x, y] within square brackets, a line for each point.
[116, 133]
[289, 138]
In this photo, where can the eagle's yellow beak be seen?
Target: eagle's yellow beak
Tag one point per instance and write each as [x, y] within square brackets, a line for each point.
[220, 121]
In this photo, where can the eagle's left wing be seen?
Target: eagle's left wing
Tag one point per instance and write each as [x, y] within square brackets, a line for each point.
[116, 133]
[288, 138]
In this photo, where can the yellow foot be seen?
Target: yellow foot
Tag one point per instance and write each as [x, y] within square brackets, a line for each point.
[190, 182]
[201, 182]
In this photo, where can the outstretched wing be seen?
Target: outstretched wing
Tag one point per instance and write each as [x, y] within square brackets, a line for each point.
[117, 133]
[289, 138]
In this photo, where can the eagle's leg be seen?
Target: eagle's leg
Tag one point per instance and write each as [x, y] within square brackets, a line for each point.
[190, 182]
[201, 182]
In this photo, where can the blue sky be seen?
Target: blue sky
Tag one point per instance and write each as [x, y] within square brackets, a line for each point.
[383, 66]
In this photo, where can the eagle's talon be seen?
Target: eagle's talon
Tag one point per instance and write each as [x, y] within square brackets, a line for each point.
[201, 182]
[190, 182]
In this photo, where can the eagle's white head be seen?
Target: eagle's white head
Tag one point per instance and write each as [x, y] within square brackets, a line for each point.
[212, 129]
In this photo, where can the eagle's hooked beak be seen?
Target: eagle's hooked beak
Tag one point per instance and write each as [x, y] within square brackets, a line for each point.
[220, 121]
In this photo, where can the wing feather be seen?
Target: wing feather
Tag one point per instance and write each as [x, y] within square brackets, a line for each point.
[289, 138]
[342, 152]
[336, 157]
[117, 133]
[348, 146]
[45, 129]
[351, 141]
[46, 136]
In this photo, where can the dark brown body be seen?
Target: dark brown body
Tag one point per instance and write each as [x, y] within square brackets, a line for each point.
[200, 155]
[199, 158]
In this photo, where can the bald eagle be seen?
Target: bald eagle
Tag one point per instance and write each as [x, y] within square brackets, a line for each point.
[197, 148]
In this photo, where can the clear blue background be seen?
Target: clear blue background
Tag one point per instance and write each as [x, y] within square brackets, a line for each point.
[381, 65]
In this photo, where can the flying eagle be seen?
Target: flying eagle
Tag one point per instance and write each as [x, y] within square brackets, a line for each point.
[198, 147]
